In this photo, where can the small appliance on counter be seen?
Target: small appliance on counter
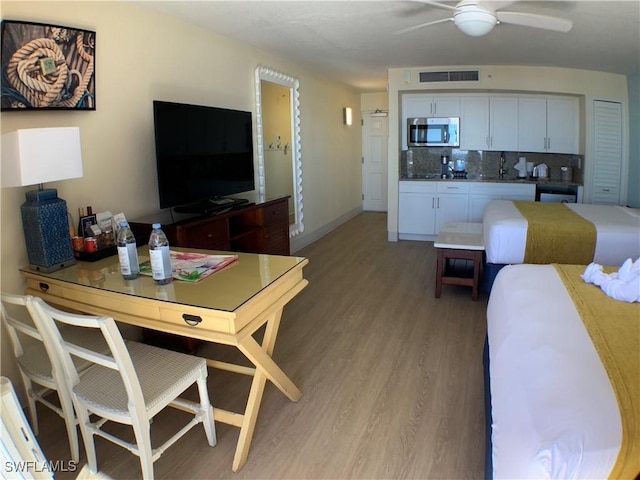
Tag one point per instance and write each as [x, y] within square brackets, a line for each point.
[541, 171]
[459, 169]
[444, 166]
[521, 167]
[566, 174]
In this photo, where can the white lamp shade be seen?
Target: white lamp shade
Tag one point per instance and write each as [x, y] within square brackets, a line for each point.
[40, 155]
[475, 23]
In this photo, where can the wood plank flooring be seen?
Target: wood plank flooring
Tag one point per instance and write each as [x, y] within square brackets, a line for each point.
[391, 377]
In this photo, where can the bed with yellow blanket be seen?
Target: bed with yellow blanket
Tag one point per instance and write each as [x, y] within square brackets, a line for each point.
[564, 377]
[572, 233]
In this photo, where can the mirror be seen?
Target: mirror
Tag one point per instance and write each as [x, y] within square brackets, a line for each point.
[278, 138]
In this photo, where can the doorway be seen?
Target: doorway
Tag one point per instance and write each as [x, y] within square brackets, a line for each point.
[375, 137]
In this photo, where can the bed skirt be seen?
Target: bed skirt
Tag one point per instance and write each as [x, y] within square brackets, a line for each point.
[489, 272]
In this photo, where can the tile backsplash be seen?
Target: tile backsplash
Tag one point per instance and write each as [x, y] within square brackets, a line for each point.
[426, 161]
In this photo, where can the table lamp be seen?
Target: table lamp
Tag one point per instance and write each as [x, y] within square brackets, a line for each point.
[32, 157]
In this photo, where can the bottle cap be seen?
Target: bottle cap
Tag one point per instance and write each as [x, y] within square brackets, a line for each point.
[155, 225]
[123, 223]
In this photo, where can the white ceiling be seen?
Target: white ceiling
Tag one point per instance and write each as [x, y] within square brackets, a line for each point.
[356, 42]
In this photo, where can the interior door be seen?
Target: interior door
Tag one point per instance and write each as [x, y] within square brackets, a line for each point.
[375, 136]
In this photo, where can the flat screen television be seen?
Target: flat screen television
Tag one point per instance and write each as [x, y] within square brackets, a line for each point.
[202, 154]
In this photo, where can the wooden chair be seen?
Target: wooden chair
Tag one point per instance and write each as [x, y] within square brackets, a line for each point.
[129, 386]
[38, 376]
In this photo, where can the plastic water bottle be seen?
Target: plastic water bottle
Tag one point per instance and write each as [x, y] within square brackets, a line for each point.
[127, 253]
[160, 258]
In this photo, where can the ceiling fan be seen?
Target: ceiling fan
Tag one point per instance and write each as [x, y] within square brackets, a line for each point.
[477, 18]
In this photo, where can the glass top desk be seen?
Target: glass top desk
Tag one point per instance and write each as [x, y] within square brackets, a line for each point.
[227, 307]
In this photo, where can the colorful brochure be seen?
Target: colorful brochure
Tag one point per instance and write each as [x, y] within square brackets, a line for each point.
[192, 267]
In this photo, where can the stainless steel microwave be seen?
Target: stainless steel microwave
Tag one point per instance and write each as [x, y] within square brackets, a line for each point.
[433, 132]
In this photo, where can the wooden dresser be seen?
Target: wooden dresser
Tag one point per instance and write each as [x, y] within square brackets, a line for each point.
[256, 228]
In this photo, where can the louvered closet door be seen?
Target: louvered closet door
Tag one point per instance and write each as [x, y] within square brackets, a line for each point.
[607, 174]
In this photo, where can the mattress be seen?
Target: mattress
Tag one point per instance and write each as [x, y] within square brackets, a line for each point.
[617, 232]
[554, 411]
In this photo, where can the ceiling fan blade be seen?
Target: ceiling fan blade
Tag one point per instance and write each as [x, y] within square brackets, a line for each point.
[438, 4]
[422, 25]
[535, 21]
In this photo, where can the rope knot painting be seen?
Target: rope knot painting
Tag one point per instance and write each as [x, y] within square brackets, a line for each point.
[47, 67]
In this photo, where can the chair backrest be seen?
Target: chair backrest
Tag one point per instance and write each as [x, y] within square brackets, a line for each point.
[47, 319]
[15, 327]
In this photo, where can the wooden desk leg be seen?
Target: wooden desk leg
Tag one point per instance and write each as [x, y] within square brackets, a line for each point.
[439, 271]
[266, 368]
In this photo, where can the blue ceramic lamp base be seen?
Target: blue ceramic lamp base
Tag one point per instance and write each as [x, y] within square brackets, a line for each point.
[46, 231]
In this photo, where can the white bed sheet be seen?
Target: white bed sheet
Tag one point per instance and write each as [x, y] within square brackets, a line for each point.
[555, 414]
[617, 232]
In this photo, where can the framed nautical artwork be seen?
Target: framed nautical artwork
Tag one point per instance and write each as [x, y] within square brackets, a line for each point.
[47, 67]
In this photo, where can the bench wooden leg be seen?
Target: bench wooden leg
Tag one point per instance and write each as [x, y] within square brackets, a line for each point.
[439, 271]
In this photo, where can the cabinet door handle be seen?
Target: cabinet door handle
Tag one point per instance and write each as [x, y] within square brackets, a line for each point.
[433, 202]
[548, 143]
[606, 190]
[44, 286]
[438, 202]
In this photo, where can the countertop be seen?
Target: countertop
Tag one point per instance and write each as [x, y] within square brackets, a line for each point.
[492, 179]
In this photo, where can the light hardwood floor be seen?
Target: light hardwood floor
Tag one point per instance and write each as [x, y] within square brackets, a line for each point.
[391, 377]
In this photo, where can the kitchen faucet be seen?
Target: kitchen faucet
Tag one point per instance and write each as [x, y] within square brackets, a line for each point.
[502, 170]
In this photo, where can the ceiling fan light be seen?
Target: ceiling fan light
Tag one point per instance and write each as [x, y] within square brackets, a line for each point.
[475, 23]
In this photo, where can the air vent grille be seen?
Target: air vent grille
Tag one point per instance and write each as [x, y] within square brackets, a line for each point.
[450, 76]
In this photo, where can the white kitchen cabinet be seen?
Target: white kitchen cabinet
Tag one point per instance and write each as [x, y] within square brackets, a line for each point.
[489, 123]
[430, 106]
[548, 124]
[423, 207]
[481, 193]
[503, 123]
[474, 122]
[451, 208]
[421, 105]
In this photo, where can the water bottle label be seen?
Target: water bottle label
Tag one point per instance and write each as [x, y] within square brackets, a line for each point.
[160, 262]
[128, 258]
[123, 258]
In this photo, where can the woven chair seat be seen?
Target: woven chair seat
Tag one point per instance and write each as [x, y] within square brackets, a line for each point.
[101, 389]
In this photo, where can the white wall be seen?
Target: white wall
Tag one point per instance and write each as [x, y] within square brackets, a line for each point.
[141, 56]
[589, 84]
[370, 102]
[633, 195]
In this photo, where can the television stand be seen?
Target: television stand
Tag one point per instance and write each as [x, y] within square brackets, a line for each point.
[211, 205]
[261, 227]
